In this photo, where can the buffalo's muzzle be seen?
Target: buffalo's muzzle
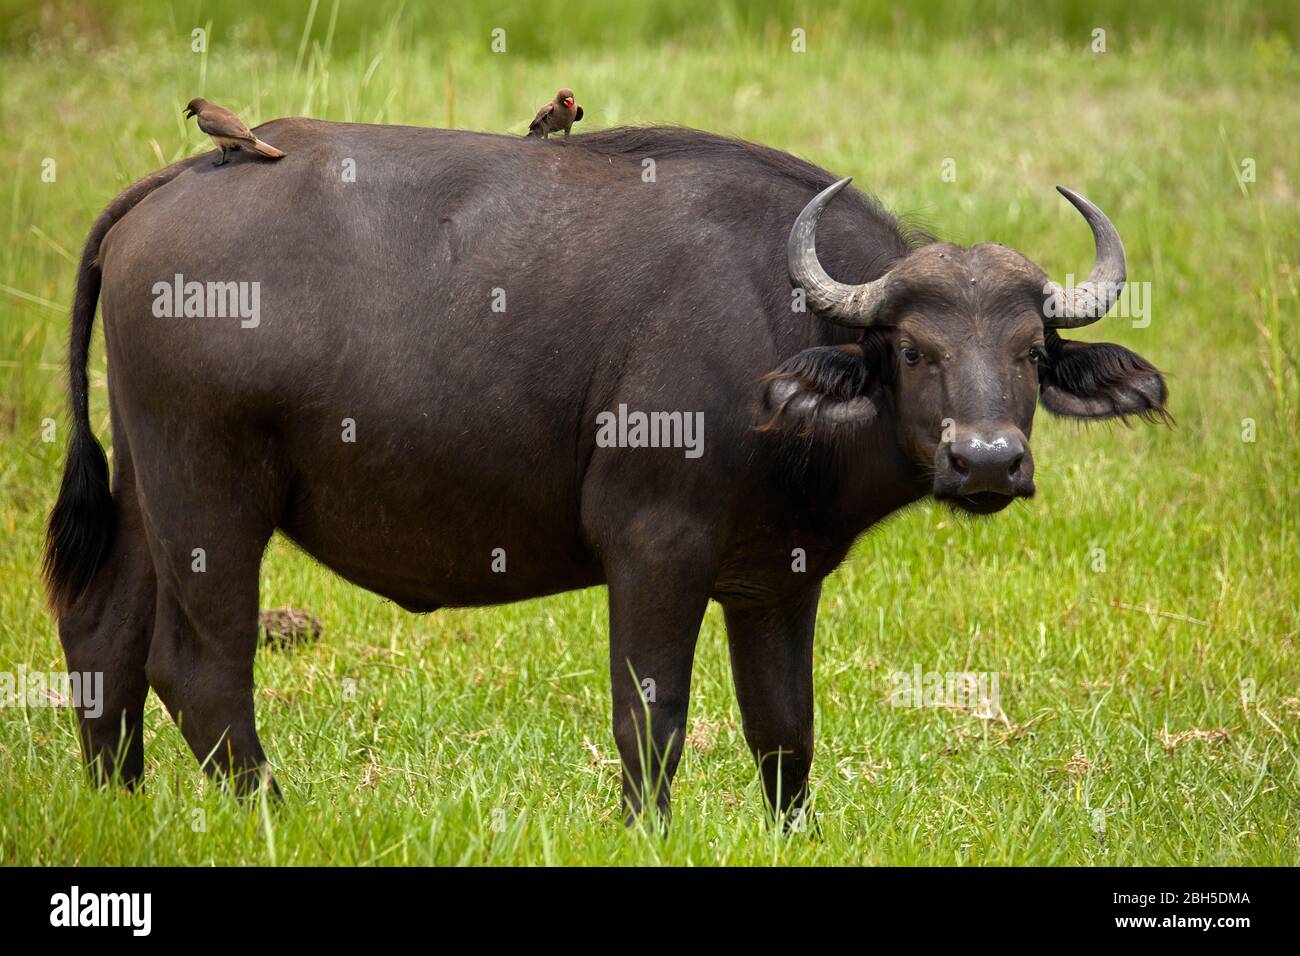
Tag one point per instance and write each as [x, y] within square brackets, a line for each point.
[982, 470]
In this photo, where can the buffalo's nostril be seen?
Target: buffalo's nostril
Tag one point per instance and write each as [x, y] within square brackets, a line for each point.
[959, 464]
[1015, 465]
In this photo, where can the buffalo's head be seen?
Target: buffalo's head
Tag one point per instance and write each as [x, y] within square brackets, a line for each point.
[962, 343]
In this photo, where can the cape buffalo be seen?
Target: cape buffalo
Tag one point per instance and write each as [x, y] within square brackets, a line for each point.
[424, 362]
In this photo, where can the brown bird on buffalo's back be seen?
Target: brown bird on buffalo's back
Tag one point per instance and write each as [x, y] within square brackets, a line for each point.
[559, 114]
[227, 130]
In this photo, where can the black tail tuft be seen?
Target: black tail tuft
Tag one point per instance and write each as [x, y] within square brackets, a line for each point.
[81, 525]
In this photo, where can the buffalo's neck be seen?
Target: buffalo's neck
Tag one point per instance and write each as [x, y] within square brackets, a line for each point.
[852, 481]
[867, 481]
[831, 496]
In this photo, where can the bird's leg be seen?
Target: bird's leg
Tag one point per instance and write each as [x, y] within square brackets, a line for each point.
[222, 160]
[566, 133]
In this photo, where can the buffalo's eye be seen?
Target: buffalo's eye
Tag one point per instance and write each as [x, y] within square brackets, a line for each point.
[910, 355]
[1037, 355]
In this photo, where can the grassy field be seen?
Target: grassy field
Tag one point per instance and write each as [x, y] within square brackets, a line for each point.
[1141, 613]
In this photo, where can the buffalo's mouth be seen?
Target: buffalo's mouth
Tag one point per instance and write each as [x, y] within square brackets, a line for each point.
[979, 502]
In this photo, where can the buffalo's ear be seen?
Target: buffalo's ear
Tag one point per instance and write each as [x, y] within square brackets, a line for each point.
[821, 388]
[1100, 380]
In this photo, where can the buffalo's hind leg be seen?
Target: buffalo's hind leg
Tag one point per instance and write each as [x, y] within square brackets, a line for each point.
[207, 534]
[105, 637]
[771, 664]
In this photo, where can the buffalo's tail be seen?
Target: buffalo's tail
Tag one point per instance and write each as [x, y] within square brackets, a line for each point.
[81, 524]
[80, 530]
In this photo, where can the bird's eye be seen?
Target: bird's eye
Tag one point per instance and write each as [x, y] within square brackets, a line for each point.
[910, 355]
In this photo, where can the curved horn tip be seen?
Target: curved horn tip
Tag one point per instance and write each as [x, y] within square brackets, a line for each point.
[823, 198]
[1078, 201]
[833, 189]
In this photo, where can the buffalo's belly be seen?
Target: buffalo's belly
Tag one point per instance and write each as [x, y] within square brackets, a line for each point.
[430, 515]
[423, 573]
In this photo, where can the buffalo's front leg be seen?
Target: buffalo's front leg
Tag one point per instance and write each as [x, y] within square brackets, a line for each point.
[771, 663]
[655, 610]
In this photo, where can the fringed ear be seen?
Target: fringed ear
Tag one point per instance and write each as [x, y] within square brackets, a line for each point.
[1100, 380]
[827, 387]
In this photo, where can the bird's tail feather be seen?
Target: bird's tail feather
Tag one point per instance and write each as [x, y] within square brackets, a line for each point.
[266, 149]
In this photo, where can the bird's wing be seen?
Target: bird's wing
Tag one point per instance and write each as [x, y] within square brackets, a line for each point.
[218, 121]
[578, 115]
[542, 114]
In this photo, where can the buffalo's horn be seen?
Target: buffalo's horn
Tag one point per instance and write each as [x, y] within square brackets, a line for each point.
[853, 305]
[1092, 298]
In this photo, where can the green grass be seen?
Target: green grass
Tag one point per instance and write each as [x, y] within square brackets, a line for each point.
[482, 736]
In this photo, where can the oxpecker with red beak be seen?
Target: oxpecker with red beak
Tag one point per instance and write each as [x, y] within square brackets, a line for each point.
[559, 114]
